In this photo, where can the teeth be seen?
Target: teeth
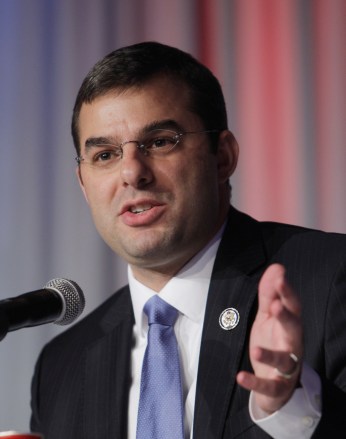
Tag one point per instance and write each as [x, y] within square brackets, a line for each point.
[139, 209]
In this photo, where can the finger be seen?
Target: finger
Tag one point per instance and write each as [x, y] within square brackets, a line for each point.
[288, 327]
[289, 321]
[267, 289]
[268, 387]
[286, 362]
[287, 295]
[270, 395]
[273, 285]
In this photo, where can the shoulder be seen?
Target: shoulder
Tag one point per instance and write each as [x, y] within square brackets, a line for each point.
[308, 255]
[114, 311]
[70, 359]
[277, 237]
[301, 241]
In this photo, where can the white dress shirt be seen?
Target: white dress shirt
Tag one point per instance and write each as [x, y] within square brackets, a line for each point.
[187, 292]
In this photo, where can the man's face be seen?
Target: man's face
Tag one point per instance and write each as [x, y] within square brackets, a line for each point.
[155, 212]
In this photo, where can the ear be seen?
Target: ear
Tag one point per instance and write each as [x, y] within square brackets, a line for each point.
[81, 184]
[227, 155]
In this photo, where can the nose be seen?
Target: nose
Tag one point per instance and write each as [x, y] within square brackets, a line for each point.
[135, 168]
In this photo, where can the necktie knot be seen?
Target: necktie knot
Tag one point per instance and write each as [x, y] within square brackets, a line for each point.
[159, 311]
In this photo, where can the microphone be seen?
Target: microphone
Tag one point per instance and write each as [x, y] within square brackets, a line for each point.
[60, 301]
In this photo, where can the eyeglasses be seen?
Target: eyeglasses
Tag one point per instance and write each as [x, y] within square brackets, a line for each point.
[157, 142]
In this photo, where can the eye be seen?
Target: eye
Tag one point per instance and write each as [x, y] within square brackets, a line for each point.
[161, 142]
[164, 142]
[107, 154]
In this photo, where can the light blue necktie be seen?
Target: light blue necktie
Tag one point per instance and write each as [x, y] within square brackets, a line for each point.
[160, 412]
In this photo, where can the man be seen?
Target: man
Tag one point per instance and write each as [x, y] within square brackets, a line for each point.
[154, 161]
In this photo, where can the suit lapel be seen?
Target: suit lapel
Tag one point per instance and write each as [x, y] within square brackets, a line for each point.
[107, 374]
[233, 285]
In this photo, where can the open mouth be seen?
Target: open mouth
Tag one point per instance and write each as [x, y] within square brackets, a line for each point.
[140, 209]
[142, 212]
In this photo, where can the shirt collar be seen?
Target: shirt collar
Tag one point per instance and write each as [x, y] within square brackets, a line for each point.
[187, 291]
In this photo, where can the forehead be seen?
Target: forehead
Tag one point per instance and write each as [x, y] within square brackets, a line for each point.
[123, 113]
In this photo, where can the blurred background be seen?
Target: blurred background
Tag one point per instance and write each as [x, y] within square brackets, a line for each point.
[282, 65]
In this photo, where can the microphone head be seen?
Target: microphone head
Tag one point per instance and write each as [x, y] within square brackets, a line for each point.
[72, 298]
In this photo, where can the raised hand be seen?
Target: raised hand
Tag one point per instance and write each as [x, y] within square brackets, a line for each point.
[276, 343]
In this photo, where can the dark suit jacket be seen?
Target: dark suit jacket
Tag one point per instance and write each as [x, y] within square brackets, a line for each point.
[82, 378]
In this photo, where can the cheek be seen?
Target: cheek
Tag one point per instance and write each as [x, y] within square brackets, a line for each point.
[99, 192]
[200, 174]
[196, 190]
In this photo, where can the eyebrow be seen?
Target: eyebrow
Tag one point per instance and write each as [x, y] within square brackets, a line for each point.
[97, 141]
[166, 124]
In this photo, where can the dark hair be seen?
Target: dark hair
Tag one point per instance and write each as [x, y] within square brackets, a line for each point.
[135, 65]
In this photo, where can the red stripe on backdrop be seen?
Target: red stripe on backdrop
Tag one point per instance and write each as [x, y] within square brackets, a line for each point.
[268, 110]
[207, 23]
[215, 39]
[330, 38]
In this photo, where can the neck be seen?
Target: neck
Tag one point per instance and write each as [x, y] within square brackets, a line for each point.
[156, 277]
[157, 274]
[152, 279]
